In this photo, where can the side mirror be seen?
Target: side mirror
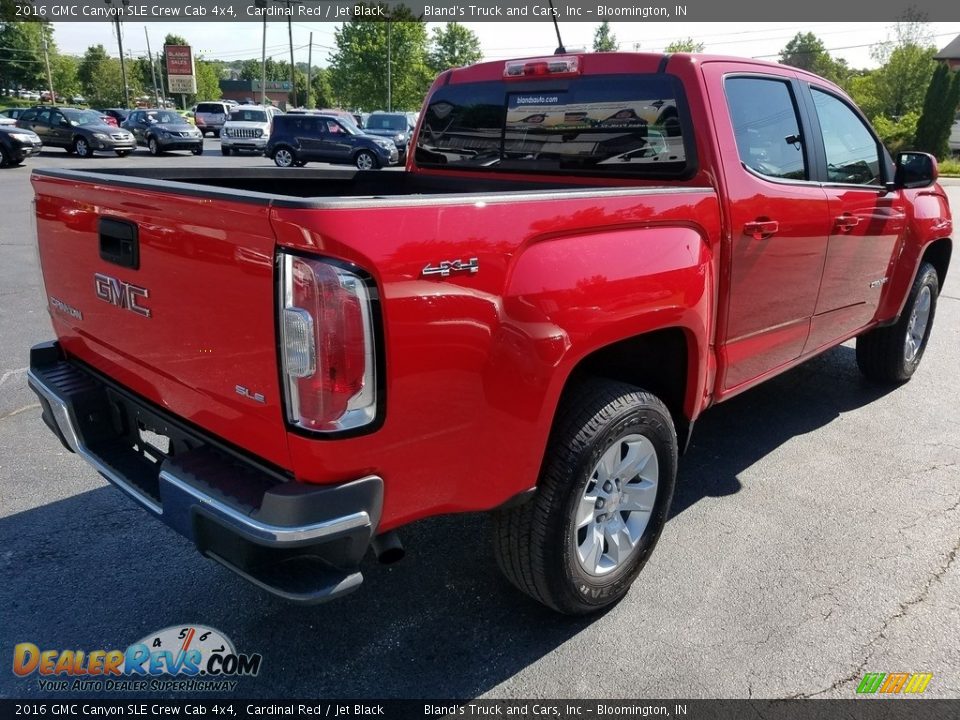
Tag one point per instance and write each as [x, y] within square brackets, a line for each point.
[915, 170]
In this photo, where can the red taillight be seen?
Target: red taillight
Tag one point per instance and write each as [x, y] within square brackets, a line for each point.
[328, 351]
[541, 67]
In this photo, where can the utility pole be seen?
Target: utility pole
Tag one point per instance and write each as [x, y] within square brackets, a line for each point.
[263, 59]
[123, 67]
[153, 71]
[309, 69]
[389, 67]
[293, 77]
[46, 59]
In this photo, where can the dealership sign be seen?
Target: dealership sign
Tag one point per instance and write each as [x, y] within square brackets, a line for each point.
[181, 77]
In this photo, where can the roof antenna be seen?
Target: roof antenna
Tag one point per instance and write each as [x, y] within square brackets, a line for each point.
[560, 48]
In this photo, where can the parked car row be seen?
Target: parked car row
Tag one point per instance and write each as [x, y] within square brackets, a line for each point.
[290, 140]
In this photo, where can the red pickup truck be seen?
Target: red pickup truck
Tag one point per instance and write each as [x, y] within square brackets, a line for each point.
[584, 253]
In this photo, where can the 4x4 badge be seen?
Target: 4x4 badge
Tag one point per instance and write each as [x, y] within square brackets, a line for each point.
[448, 266]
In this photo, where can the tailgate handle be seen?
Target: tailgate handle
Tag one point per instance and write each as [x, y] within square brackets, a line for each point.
[120, 242]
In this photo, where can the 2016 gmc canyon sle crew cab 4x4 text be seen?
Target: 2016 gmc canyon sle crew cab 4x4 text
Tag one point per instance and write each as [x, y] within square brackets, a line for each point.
[584, 253]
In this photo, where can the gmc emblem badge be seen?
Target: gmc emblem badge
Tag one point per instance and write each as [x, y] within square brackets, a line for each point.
[122, 294]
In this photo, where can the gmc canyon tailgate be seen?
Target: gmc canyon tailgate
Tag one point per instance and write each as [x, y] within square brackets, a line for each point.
[170, 295]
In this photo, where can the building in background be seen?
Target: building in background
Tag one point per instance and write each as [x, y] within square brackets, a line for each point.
[278, 91]
[950, 54]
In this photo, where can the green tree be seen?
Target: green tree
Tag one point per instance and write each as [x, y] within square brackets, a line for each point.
[453, 45]
[63, 68]
[276, 72]
[358, 66]
[21, 54]
[604, 40]
[906, 67]
[208, 81]
[939, 108]
[689, 45]
[900, 85]
[101, 80]
[320, 94]
[807, 52]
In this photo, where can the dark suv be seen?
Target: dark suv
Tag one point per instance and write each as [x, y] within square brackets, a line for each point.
[81, 131]
[297, 139]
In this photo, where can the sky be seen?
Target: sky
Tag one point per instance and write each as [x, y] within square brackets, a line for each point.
[236, 41]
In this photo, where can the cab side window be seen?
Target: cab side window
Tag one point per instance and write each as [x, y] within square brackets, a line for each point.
[853, 155]
[45, 118]
[765, 123]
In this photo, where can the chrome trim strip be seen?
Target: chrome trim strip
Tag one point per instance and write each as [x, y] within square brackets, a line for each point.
[267, 531]
[65, 423]
[243, 523]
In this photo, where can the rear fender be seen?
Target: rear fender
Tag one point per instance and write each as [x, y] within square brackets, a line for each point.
[570, 297]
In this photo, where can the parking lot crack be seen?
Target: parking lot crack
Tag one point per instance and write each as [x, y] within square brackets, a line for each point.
[7, 374]
[902, 610]
[10, 414]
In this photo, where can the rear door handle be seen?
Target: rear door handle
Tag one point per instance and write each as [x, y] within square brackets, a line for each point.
[761, 228]
[847, 222]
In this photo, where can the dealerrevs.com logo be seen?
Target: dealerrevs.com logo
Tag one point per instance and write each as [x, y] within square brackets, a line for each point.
[179, 658]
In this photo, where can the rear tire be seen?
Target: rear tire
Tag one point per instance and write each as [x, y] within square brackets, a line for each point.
[601, 502]
[5, 159]
[892, 354]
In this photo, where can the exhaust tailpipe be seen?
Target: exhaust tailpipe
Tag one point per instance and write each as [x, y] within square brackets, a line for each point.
[388, 548]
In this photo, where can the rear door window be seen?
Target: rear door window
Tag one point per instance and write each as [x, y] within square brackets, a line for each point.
[766, 126]
[624, 124]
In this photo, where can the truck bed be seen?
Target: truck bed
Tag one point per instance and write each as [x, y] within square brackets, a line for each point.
[312, 187]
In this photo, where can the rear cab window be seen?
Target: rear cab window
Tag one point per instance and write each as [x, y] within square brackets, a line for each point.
[215, 108]
[636, 125]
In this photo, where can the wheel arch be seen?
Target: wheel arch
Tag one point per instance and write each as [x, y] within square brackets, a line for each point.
[938, 254]
[664, 362]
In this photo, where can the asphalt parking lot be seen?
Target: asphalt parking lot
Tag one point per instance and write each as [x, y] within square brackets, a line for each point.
[814, 538]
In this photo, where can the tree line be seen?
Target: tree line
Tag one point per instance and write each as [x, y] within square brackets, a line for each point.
[356, 76]
[909, 98]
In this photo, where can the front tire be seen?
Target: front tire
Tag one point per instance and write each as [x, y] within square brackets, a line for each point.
[601, 502]
[197, 150]
[365, 160]
[122, 153]
[82, 148]
[153, 146]
[892, 354]
[225, 151]
[5, 159]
